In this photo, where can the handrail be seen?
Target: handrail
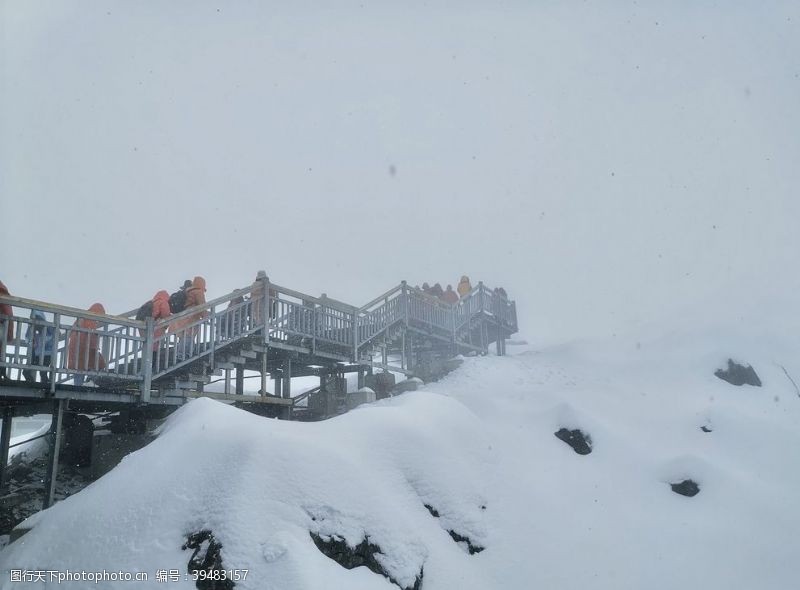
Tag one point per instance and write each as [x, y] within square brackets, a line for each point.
[85, 313]
[380, 298]
[290, 316]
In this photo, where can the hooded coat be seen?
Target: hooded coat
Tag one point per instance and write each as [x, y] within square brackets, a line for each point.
[5, 309]
[160, 311]
[40, 337]
[195, 295]
[464, 286]
[450, 296]
[83, 348]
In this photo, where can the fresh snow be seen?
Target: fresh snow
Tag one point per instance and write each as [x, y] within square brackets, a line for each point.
[479, 448]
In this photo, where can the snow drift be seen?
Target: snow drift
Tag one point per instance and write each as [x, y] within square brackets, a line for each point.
[473, 461]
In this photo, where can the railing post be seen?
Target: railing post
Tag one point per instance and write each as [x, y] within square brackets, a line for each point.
[355, 335]
[267, 308]
[147, 361]
[480, 296]
[404, 290]
[213, 335]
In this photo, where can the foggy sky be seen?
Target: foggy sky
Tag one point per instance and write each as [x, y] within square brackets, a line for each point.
[608, 163]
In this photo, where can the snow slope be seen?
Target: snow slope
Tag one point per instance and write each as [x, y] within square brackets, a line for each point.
[479, 448]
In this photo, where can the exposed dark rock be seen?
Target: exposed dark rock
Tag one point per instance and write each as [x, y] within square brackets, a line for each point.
[78, 439]
[26, 489]
[432, 510]
[362, 554]
[206, 558]
[738, 375]
[686, 488]
[473, 549]
[581, 443]
[706, 429]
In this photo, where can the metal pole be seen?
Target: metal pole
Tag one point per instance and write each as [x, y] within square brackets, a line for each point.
[54, 356]
[55, 449]
[5, 441]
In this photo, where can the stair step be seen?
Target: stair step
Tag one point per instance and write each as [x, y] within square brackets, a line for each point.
[225, 366]
[248, 354]
[258, 347]
[197, 378]
[237, 360]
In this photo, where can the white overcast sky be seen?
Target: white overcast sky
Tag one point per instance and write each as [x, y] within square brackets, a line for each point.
[609, 163]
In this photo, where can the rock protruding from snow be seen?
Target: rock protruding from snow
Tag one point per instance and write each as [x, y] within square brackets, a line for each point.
[580, 442]
[412, 384]
[738, 375]
[363, 554]
[463, 541]
[687, 488]
[466, 543]
[206, 558]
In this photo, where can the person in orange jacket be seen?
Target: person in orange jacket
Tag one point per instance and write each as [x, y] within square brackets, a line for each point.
[160, 311]
[6, 310]
[450, 296]
[464, 286]
[83, 348]
[195, 296]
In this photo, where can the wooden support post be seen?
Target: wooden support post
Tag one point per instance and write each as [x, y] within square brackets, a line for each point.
[227, 381]
[278, 383]
[239, 380]
[287, 378]
[263, 390]
[360, 382]
[55, 450]
[403, 350]
[5, 441]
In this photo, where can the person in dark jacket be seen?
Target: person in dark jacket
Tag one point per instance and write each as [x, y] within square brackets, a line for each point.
[40, 338]
[7, 335]
[437, 291]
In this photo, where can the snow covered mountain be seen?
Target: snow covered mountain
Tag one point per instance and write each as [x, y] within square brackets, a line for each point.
[464, 485]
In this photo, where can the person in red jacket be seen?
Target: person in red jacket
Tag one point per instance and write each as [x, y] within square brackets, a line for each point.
[7, 337]
[450, 296]
[83, 348]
